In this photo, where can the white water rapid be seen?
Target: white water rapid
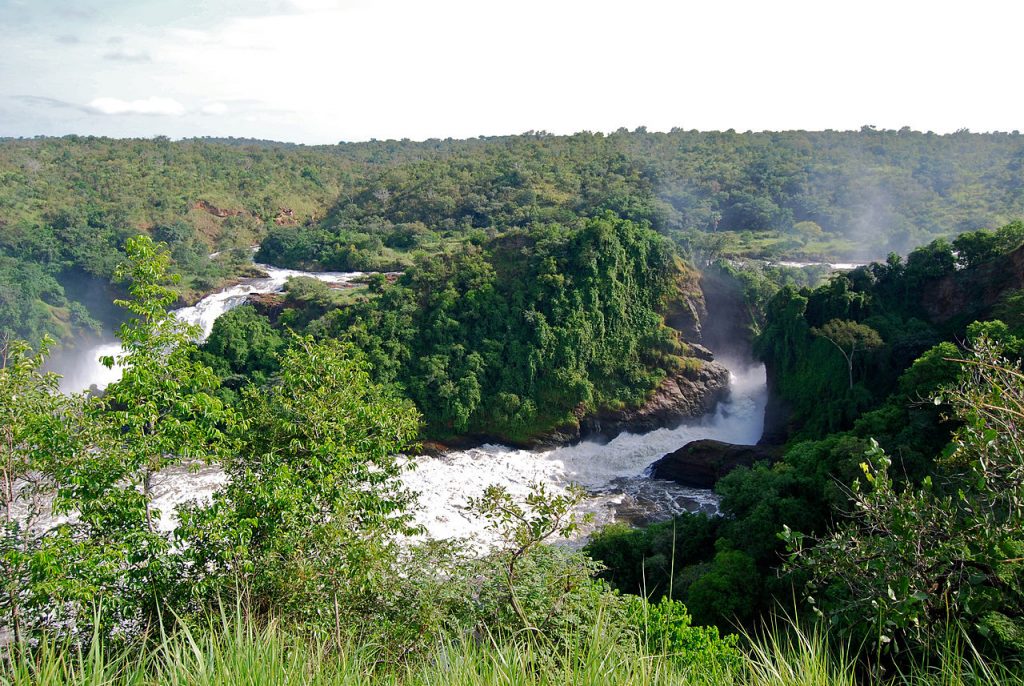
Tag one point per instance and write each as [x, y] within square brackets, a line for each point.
[614, 474]
[834, 266]
[83, 370]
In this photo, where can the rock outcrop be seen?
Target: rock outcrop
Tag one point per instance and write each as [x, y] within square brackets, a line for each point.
[700, 464]
[970, 294]
[270, 305]
[687, 394]
[285, 217]
[685, 310]
[219, 212]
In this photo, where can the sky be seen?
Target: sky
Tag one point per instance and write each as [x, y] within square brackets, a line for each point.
[324, 71]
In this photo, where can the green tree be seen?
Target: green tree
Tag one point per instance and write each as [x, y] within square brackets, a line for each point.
[849, 337]
[160, 413]
[728, 592]
[912, 557]
[243, 344]
[38, 431]
[314, 499]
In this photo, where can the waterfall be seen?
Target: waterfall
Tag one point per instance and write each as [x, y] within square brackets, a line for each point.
[82, 369]
[613, 473]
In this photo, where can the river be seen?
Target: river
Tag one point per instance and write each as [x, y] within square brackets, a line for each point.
[614, 473]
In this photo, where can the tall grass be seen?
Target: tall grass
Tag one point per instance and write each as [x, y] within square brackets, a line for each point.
[231, 650]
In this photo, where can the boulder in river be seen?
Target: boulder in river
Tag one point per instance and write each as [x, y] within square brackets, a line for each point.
[700, 464]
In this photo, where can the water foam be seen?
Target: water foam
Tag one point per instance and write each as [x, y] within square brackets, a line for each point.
[84, 370]
[614, 473]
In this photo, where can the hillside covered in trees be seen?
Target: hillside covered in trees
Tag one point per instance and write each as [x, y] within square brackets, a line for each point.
[67, 205]
[301, 564]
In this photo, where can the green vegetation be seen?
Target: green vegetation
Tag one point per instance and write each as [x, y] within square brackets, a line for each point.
[526, 332]
[543, 279]
[895, 490]
[910, 557]
[305, 535]
[67, 205]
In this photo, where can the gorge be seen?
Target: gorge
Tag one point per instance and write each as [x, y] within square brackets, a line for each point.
[612, 469]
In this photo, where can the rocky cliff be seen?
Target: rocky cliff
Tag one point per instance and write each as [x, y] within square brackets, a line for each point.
[970, 294]
[689, 393]
[700, 464]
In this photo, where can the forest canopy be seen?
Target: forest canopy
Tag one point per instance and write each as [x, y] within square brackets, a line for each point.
[68, 204]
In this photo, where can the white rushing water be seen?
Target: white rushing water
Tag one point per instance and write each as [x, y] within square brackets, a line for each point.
[835, 266]
[83, 370]
[614, 473]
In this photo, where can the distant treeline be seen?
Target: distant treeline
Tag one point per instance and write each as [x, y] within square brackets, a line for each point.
[67, 204]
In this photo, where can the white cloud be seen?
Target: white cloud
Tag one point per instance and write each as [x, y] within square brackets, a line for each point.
[194, 36]
[326, 70]
[151, 105]
[315, 5]
[215, 108]
[127, 55]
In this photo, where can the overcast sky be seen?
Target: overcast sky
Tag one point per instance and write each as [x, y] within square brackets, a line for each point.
[323, 71]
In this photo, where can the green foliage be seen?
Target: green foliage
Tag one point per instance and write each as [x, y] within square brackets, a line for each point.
[161, 412]
[643, 560]
[72, 202]
[92, 464]
[910, 558]
[544, 588]
[313, 502]
[519, 335]
[667, 630]
[896, 310]
[242, 345]
[728, 593]
[38, 433]
[849, 337]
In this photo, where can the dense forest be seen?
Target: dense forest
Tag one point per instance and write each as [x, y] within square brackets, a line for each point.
[67, 205]
[896, 462]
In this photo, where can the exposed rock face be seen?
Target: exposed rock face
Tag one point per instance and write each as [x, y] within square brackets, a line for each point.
[270, 305]
[700, 352]
[970, 294]
[701, 464]
[214, 210]
[687, 394]
[285, 217]
[728, 331]
[776, 415]
[685, 310]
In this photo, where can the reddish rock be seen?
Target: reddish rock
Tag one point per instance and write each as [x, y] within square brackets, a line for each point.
[971, 293]
[285, 217]
[687, 394]
[214, 210]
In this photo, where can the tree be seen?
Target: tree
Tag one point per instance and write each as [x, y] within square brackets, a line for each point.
[912, 557]
[37, 432]
[849, 337]
[243, 344]
[160, 413]
[314, 501]
[523, 528]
